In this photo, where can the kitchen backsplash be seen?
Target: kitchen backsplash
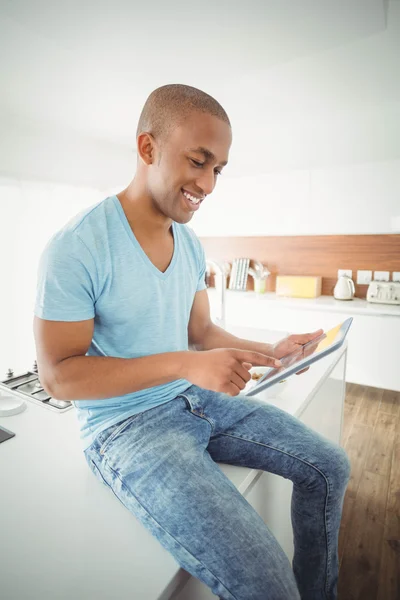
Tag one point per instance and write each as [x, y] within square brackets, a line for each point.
[311, 255]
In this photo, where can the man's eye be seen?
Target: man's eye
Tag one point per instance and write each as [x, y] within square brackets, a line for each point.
[196, 163]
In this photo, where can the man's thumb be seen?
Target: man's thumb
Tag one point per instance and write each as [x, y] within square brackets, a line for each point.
[247, 365]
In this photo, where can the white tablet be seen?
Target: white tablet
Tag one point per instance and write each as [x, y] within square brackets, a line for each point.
[300, 359]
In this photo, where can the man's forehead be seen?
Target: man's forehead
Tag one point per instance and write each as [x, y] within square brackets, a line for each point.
[204, 135]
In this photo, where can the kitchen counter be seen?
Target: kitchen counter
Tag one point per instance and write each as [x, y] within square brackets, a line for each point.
[66, 536]
[357, 306]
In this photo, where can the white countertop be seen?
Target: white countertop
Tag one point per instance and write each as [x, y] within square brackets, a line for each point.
[325, 303]
[64, 533]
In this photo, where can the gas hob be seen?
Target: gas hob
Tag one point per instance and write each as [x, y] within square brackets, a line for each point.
[27, 385]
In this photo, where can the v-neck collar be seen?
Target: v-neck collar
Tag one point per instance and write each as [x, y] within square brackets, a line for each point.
[139, 248]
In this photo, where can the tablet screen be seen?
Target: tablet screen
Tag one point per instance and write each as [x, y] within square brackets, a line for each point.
[315, 349]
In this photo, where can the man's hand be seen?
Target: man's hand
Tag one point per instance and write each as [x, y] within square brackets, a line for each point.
[224, 369]
[294, 343]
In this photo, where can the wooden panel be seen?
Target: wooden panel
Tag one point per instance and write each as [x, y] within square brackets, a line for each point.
[394, 484]
[389, 581]
[389, 584]
[379, 459]
[348, 507]
[311, 255]
[359, 571]
[357, 446]
[371, 400]
[390, 402]
[369, 539]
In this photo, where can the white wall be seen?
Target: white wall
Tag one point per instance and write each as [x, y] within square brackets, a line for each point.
[338, 200]
[335, 107]
[320, 153]
[29, 215]
[32, 150]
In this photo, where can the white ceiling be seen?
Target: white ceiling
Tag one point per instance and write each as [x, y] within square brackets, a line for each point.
[91, 64]
[88, 66]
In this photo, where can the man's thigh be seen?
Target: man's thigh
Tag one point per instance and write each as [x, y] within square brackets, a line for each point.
[254, 434]
[159, 468]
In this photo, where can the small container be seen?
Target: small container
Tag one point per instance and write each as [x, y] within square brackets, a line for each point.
[260, 284]
[259, 275]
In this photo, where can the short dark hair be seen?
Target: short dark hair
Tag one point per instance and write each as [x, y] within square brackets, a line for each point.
[168, 106]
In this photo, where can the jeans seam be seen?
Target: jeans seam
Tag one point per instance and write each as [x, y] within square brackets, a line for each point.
[98, 471]
[123, 484]
[202, 416]
[326, 500]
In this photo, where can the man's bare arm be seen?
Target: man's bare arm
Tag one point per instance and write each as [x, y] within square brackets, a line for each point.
[205, 335]
[67, 374]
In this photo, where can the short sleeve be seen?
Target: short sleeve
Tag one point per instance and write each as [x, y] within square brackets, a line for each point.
[66, 280]
[201, 284]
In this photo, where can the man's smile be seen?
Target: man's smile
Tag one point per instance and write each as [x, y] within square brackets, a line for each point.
[192, 200]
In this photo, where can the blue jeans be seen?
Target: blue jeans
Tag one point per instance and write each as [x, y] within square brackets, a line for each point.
[161, 465]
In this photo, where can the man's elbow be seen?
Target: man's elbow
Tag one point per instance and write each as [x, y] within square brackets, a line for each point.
[198, 339]
[52, 385]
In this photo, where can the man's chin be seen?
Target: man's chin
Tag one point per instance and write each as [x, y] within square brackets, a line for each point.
[182, 219]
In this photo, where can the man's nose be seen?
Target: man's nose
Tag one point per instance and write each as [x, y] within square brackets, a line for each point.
[206, 181]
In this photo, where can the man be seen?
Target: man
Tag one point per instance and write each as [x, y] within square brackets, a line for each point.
[121, 298]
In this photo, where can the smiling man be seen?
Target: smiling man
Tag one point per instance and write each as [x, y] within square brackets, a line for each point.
[121, 299]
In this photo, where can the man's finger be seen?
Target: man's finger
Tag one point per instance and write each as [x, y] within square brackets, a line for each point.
[303, 338]
[243, 372]
[238, 380]
[256, 358]
[232, 389]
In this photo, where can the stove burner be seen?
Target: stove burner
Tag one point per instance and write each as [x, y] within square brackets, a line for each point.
[28, 385]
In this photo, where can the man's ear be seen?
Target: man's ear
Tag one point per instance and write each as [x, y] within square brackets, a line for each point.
[146, 148]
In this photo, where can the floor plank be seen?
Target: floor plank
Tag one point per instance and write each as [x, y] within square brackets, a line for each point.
[379, 458]
[348, 507]
[389, 580]
[349, 413]
[390, 402]
[369, 406]
[369, 537]
[354, 394]
[394, 484]
[357, 446]
[359, 573]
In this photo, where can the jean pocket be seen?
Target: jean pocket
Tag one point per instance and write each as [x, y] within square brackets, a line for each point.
[117, 432]
[189, 403]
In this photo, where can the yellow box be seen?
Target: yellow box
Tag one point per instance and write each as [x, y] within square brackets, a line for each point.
[294, 286]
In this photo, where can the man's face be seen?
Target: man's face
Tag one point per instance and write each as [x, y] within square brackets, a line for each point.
[188, 164]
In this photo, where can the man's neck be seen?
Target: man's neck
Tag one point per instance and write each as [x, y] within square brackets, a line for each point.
[142, 217]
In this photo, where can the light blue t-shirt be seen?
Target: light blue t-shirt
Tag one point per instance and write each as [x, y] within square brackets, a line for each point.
[95, 268]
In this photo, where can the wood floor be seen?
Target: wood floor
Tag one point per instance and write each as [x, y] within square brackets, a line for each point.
[369, 540]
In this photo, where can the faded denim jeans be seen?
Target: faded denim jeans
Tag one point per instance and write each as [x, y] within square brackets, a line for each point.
[161, 464]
